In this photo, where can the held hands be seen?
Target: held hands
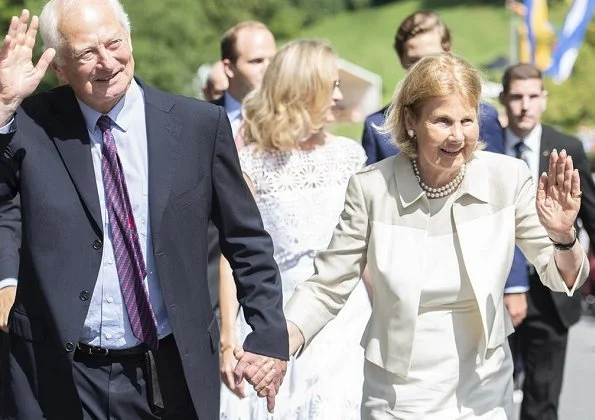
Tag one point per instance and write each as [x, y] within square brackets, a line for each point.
[558, 197]
[18, 76]
[264, 373]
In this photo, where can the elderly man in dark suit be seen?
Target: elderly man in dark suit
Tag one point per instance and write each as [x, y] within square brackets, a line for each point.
[113, 183]
[543, 335]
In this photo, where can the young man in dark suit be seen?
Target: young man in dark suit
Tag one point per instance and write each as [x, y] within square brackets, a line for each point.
[113, 183]
[542, 337]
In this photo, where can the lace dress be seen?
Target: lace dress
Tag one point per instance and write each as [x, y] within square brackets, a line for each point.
[300, 195]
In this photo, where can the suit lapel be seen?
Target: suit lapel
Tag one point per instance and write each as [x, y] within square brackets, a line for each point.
[71, 138]
[162, 145]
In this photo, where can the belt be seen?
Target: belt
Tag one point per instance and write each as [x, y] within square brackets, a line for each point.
[154, 391]
[113, 353]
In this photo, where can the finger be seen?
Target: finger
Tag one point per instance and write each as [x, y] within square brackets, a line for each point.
[238, 372]
[568, 169]
[560, 167]
[267, 379]
[238, 352]
[32, 32]
[44, 62]
[227, 377]
[7, 45]
[551, 181]
[22, 27]
[239, 391]
[14, 25]
[271, 402]
[255, 376]
[575, 185]
[542, 186]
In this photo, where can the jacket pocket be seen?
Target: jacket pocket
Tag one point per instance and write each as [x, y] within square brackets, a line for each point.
[25, 326]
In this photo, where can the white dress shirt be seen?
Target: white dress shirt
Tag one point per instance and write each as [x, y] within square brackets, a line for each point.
[533, 143]
[107, 323]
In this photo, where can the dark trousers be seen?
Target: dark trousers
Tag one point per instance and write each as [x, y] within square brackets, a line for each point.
[541, 341]
[119, 388]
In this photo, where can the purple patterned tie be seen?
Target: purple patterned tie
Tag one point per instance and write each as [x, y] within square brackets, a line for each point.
[129, 258]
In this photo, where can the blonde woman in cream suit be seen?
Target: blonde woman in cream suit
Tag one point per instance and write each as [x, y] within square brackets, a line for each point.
[437, 225]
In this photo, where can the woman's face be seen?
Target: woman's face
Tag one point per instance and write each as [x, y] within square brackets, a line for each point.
[447, 130]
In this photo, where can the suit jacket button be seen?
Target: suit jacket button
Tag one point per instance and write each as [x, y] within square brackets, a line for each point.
[97, 244]
[69, 347]
[84, 295]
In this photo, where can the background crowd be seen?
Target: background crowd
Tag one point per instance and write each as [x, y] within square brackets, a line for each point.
[279, 99]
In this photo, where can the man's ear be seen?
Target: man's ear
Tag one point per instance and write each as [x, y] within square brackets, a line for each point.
[59, 73]
[501, 98]
[227, 68]
[544, 100]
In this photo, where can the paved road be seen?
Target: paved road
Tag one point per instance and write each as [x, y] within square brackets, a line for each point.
[577, 401]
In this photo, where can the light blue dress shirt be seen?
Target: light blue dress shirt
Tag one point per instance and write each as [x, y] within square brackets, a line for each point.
[233, 109]
[107, 323]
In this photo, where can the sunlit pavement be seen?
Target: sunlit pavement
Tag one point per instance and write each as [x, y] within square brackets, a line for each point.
[577, 401]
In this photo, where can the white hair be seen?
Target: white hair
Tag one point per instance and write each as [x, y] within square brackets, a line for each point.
[52, 12]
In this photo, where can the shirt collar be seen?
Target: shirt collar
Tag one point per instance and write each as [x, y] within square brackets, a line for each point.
[233, 107]
[532, 140]
[121, 114]
[475, 182]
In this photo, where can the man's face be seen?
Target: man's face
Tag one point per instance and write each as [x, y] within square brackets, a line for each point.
[96, 59]
[255, 48]
[426, 43]
[525, 101]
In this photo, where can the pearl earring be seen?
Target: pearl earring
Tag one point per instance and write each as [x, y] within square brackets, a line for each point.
[411, 133]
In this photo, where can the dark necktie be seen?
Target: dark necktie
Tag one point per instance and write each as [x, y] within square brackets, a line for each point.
[130, 263]
[521, 148]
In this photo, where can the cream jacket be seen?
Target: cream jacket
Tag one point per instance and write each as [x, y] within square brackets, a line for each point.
[384, 225]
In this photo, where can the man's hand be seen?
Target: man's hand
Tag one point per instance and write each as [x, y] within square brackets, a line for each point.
[263, 372]
[516, 304]
[18, 76]
[7, 295]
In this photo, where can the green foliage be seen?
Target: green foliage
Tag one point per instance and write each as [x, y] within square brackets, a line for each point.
[571, 104]
[172, 39]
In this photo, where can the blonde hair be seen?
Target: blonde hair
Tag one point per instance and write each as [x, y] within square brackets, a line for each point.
[433, 76]
[293, 98]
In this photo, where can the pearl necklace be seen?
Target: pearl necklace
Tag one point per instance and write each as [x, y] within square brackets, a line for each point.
[440, 191]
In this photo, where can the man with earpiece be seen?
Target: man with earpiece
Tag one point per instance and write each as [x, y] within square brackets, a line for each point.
[540, 340]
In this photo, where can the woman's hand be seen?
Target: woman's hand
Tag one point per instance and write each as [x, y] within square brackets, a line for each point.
[559, 197]
[227, 363]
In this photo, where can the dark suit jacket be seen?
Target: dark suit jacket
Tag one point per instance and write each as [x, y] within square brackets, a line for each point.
[378, 146]
[194, 176]
[568, 310]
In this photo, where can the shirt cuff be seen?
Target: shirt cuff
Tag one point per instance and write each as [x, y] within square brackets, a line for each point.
[7, 129]
[515, 289]
[10, 281]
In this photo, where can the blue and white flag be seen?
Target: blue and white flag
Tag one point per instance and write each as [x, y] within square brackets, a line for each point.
[570, 39]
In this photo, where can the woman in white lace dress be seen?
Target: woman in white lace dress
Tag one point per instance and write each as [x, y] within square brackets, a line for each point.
[299, 173]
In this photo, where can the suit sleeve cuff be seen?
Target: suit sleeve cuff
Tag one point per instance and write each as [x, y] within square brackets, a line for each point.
[8, 282]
